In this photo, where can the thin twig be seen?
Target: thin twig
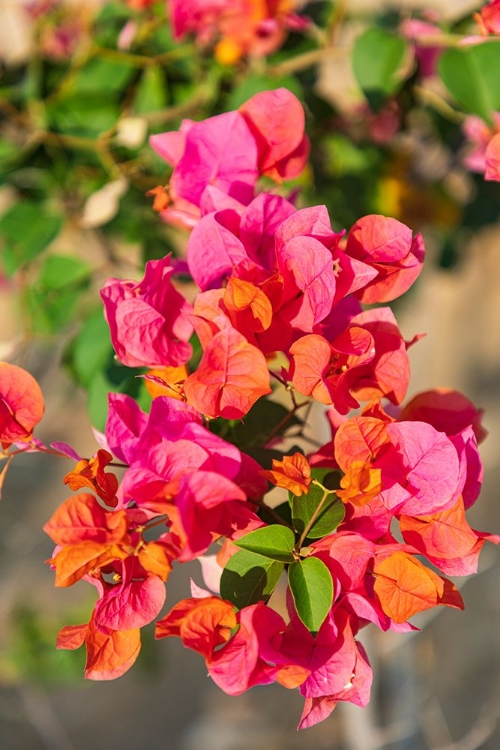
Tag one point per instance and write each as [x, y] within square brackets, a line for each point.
[429, 97]
[261, 504]
[306, 60]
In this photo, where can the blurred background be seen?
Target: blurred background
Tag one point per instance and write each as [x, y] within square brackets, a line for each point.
[82, 86]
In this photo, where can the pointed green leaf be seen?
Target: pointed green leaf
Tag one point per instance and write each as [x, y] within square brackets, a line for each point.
[103, 77]
[152, 91]
[28, 228]
[312, 590]
[53, 299]
[471, 74]
[249, 578]
[275, 541]
[330, 516]
[377, 58]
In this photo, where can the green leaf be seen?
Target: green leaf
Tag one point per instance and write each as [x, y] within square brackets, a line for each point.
[115, 378]
[303, 508]
[312, 590]
[103, 76]
[91, 350]
[471, 74]
[61, 271]
[343, 157]
[152, 91]
[86, 114]
[329, 478]
[249, 578]
[53, 298]
[275, 541]
[377, 58]
[27, 228]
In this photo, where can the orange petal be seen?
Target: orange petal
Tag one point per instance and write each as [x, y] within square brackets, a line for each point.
[404, 586]
[21, 404]
[109, 655]
[76, 560]
[230, 378]
[293, 473]
[90, 473]
[72, 637]
[81, 518]
[203, 624]
[360, 484]
[156, 558]
[248, 305]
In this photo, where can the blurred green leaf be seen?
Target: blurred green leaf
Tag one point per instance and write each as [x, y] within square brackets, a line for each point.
[103, 76]
[114, 378]
[30, 655]
[152, 91]
[90, 351]
[472, 75]
[85, 114]
[377, 57]
[27, 229]
[53, 298]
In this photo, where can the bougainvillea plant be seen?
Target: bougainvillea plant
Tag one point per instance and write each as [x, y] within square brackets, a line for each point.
[280, 321]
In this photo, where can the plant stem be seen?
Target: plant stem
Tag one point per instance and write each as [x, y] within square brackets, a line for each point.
[271, 512]
[306, 60]
[277, 429]
[441, 106]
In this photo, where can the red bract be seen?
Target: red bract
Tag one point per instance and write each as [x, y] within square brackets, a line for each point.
[490, 17]
[202, 624]
[21, 404]
[209, 506]
[417, 460]
[169, 444]
[427, 55]
[217, 162]
[368, 360]
[387, 245]
[479, 134]
[242, 26]
[81, 518]
[276, 118]
[149, 321]
[109, 654]
[446, 539]
[356, 691]
[133, 602]
[231, 376]
[281, 268]
[404, 586]
[447, 411]
[243, 662]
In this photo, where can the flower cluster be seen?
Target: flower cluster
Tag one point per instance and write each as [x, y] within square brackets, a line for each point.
[240, 27]
[281, 301]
